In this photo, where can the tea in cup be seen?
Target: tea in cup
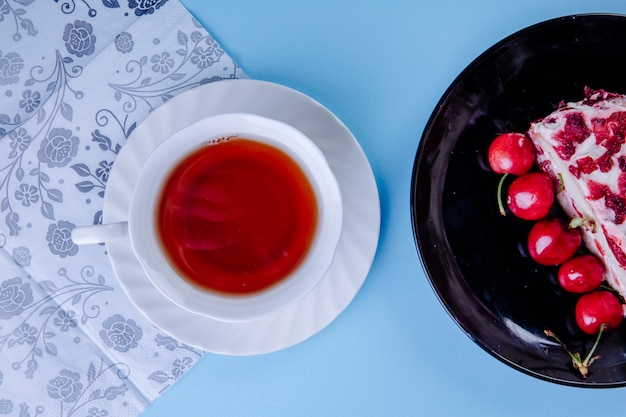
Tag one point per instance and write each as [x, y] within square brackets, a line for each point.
[233, 217]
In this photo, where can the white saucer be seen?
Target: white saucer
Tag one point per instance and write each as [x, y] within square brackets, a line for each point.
[357, 246]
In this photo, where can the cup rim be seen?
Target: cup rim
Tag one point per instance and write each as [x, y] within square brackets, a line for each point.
[220, 306]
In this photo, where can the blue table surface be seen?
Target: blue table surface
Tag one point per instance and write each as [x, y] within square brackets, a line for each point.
[380, 67]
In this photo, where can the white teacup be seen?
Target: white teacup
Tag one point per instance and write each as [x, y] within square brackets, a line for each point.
[216, 134]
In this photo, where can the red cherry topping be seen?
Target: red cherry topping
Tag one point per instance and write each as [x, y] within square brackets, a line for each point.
[552, 242]
[530, 196]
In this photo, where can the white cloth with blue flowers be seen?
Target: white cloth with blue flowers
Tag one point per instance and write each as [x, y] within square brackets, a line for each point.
[76, 77]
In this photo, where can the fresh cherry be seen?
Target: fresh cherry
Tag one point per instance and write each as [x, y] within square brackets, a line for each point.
[511, 153]
[581, 274]
[599, 308]
[596, 312]
[552, 242]
[530, 196]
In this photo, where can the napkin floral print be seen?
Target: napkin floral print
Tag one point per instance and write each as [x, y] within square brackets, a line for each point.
[76, 77]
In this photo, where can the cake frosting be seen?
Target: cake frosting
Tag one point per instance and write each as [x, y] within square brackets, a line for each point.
[581, 145]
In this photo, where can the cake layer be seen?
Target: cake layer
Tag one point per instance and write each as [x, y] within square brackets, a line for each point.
[581, 145]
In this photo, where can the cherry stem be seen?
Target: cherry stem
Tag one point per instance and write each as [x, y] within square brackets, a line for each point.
[589, 359]
[580, 364]
[561, 184]
[575, 358]
[583, 222]
[499, 196]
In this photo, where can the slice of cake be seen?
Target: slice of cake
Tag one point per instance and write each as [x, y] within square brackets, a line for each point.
[582, 146]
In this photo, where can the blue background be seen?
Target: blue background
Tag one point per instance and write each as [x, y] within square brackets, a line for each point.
[381, 67]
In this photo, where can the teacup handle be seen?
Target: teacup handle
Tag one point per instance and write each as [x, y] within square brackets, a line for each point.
[100, 233]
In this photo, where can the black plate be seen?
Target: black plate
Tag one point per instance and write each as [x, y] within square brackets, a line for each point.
[475, 258]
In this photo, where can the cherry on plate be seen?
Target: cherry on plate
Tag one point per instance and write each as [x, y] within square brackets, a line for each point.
[552, 242]
[597, 308]
[511, 153]
[581, 274]
[531, 196]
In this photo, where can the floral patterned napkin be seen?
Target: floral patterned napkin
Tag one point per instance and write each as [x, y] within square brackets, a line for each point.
[76, 77]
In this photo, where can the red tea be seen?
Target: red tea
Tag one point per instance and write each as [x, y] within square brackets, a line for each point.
[237, 216]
